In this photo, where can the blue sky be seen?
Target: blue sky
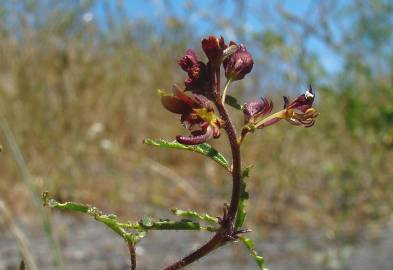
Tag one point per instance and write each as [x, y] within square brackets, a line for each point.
[259, 18]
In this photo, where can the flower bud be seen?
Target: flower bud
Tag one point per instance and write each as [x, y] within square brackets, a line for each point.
[238, 64]
[214, 49]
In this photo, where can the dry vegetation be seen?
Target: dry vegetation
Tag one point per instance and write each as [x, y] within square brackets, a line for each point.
[80, 101]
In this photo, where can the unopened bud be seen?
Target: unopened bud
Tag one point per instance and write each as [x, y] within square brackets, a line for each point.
[238, 64]
[214, 49]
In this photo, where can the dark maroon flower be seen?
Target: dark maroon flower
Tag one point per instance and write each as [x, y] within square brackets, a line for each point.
[238, 64]
[255, 109]
[214, 49]
[197, 115]
[188, 60]
[297, 112]
[178, 103]
[302, 102]
[199, 77]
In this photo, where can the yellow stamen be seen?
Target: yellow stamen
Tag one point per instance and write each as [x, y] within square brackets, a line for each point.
[161, 93]
[207, 116]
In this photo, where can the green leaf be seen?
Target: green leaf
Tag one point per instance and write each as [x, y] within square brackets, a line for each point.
[250, 246]
[76, 207]
[241, 213]
[177, 225]
[248, 242]
[146, 221]
[70, 206]
[204, 149]
[109, 220]
[194, 215]
[138, 229]
[232, 101]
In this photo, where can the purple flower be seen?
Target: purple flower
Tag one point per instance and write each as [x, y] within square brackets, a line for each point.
[255, 109]
[188, 60]
[199, 78]
[297, 112]
[302, 102]
[238, 64]
[197, 115]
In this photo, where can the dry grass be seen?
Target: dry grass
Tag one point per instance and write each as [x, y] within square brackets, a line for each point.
[80, 106]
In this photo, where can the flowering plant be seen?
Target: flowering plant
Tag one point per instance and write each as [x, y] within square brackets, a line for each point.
[202, 106]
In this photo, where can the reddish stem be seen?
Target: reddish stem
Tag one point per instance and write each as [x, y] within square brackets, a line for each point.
[226, 232]
[131, 248]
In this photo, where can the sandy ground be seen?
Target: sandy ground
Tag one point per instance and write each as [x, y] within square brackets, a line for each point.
[88, 245]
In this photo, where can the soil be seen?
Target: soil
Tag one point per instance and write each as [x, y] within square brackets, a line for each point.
[88, 245]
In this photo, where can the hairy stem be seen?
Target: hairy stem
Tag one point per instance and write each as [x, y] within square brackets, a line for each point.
[131, 248]
[226, 232]
[236, 162]
[213, 243]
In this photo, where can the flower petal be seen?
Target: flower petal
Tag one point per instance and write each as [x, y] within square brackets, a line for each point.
[189, 59]
[239, 64]
[203, 102]
[181, 95]
[175, 105]
[214, 48]
[255, 109]
[302, 102]
[198, 138]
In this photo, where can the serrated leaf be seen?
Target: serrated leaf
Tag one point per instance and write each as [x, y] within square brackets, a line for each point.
[232, 101]
[249, 243]
[246, 171]
[147, 221]
[194, 215]
[204, 149]
[260, 261]
[241, 213]
[109, 220]
[250, 246]
[71, 206]
[177, 225]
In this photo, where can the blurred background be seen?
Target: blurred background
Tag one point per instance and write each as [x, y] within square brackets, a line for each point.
[78, 83]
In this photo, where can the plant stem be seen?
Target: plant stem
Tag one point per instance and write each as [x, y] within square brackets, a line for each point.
[218, 79]
[131, 248]
[236, 162]
[213, 243]
[224, 93]
[226, 232]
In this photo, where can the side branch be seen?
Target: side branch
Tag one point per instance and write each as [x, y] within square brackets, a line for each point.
[213, 243]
